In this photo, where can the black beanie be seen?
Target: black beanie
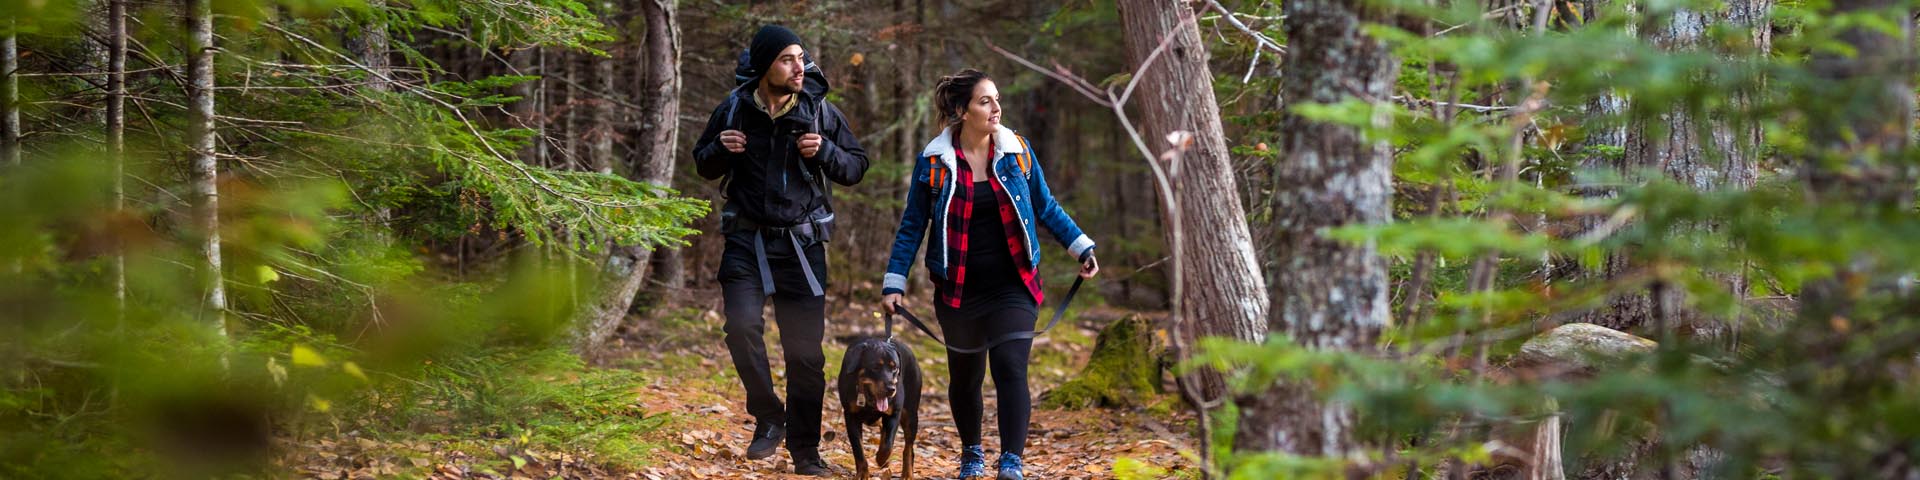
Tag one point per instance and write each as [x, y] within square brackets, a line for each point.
[767, 45]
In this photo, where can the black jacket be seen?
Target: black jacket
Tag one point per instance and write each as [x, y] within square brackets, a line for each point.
[770, 183]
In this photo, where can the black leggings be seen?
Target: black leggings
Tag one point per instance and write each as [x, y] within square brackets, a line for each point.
[968, 372]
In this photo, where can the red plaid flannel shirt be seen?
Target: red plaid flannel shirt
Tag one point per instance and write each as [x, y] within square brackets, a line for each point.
[960, 215]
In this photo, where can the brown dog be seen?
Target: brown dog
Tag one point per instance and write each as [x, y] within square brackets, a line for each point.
[880, 382]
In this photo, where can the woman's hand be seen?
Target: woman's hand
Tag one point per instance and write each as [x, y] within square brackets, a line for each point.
[892, 303]
[1090, 268]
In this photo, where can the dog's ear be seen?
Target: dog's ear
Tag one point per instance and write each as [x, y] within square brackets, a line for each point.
[852, 364]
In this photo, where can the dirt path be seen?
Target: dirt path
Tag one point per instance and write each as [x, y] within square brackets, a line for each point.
[1063, 444]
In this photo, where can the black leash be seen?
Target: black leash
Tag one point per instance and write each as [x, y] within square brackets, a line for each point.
[1058, 313]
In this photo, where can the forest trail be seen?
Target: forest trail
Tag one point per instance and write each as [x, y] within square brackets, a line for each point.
[1063, 444]
[693, 407]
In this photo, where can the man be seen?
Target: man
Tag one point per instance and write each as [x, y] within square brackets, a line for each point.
[777, 141]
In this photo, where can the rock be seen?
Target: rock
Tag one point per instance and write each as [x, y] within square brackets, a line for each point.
[1570, 352]
[1577, 349]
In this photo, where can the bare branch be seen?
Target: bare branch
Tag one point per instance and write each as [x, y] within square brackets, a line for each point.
[1251, 65]
[1062, 75]
[1414, 102]
[1232, 19]
[93, 74]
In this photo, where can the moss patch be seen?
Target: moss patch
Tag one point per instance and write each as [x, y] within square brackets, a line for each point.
[1123, 371]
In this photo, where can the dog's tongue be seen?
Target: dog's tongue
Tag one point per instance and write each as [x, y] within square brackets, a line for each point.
[880, 405]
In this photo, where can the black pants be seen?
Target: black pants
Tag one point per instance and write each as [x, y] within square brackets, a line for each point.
[802, 320]
[970, 327]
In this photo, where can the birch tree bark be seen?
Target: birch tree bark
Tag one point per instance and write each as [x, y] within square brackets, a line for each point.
[10, 96]
[117, 131]
[205, 170]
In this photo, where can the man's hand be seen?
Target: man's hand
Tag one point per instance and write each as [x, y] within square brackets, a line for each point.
[734, 141]
[810, 144]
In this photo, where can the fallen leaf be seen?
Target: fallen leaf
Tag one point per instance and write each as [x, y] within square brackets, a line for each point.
[306, 357]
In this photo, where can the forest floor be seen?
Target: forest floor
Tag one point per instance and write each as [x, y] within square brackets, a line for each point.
[663, 402]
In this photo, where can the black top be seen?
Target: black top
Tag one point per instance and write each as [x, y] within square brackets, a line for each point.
[993, 281]
[989, 265]
[771, 183]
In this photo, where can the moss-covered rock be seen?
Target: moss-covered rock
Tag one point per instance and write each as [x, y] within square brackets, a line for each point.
[1124, 370]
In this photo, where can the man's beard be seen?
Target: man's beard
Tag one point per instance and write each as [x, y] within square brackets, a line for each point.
[779, 88]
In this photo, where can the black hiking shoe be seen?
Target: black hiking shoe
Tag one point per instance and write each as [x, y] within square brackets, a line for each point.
[766, 440]
[810, 464]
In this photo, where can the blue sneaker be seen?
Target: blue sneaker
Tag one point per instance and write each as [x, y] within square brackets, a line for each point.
[973, 462]
[1010, 467]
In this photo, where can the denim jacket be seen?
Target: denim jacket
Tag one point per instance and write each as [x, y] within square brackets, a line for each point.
[932, 190]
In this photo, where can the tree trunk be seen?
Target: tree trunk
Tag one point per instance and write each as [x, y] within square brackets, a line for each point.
[1728, 158]
[673, 269]
[660, 134]
[526, 110]
[1227, 295]
[573, 127]
[372, 47]
[659, 117]
[9, 96]
[1706, 154]
[117, 133]
[1546, 462]
[1606, 133]
[205, 168]
[670, 264]
[1326, 294]
[106, 55]
[543, 108]
[600, 134]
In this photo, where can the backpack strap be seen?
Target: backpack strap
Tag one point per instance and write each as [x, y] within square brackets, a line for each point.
[1025, 157]
[935, 176]
[733, 107]
[816, 177]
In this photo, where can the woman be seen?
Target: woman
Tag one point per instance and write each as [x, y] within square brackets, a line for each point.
[978, 189]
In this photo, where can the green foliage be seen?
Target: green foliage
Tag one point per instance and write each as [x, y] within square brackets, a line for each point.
[548, 397]
[512, 24]
[337, 203]
[1810, 396]
[578, 210]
